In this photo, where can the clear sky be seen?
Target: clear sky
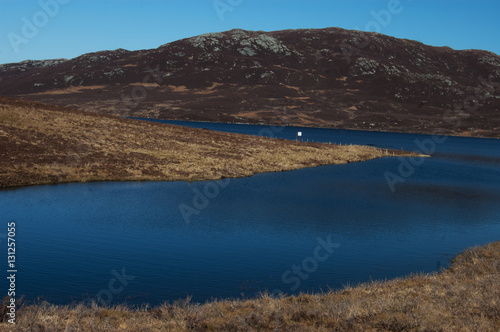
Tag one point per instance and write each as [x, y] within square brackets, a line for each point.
[47, 29]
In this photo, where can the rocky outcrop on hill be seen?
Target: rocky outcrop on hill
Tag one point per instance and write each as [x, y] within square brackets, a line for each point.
[328, 77]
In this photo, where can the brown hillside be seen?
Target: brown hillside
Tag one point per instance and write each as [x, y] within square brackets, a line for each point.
[327, 78]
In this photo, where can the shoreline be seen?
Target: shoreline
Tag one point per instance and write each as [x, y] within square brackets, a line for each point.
[316, 127]
[461, 297]
[42, 144]
[20, 186]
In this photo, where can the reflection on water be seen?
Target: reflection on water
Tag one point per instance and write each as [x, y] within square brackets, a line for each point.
[259, 233]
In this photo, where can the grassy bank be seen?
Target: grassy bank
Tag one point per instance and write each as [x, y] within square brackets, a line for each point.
[466, 297]
[42, 144]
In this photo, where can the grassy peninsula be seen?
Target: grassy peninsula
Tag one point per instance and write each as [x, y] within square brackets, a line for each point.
[43, 144]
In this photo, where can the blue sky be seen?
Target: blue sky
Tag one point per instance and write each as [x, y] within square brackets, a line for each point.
[68, 28]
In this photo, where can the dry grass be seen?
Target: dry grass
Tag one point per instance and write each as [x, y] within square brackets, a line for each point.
[42, 144]
[465, 297]
[73, 89]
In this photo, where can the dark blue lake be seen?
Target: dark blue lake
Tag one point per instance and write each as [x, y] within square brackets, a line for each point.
[300, 231]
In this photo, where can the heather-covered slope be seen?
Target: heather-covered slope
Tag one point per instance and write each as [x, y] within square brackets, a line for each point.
[329, 77]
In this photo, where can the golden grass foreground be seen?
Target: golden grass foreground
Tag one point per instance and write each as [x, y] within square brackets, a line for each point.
[466, 297]
[42, 144]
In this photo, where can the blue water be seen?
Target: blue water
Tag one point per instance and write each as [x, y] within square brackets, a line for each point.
[260, 233]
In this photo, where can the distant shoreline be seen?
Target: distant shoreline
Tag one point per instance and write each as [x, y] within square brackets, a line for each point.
[325, 127]
[44, 144]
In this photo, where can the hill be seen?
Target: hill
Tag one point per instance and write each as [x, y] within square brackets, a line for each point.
[320, 77]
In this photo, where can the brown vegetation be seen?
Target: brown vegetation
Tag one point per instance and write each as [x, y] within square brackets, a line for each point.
[42, 144]
[320, 77]
[466, 297]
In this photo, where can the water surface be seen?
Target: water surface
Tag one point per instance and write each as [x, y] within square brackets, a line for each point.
[252, 234]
